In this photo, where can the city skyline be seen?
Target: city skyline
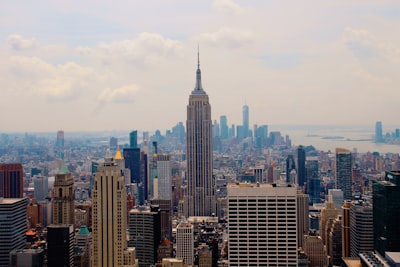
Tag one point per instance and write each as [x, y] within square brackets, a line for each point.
[74, 66]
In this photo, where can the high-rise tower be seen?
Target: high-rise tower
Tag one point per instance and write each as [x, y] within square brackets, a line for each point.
[245, 121]
[11, 180]
[301, 164]
[109, 247]
[63, 202]
[344, 172]
[199, 199]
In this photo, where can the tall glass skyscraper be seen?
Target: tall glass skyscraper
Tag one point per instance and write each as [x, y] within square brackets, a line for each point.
[301, 165]
[344, 172]
[199, 198]
[224, 127]
[313, 180]
[245, 121]
[386, 196]
[378, 132]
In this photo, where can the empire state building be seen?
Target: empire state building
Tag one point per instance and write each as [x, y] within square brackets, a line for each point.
[200, 198]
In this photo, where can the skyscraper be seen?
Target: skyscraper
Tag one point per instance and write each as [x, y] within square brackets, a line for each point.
[184, 242]
[132, 162]
[199, 199]
[378, 132]
[164, 177]
[224, 127]
[84, 241]
[386, 197]
[133, 139]
[262, 227]
[12, 226]
[60, 245]
[313, 180]
[145, 233]
[109, 218]
[60, 139]
[63, 201]
[41, 187]
[290, 165]
[303, 223]
[301, 164]
[361, 228]
[245, 121]
[11, 180]
[344, 172]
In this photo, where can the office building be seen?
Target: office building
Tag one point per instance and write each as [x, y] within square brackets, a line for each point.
[84, 241]
[165, 206]
[164, 177]
[290, 166]
[109, 221]
[301, 166]
[245, 121]
[184, 242]
[11, 180]
[303, 223]
[260, 135]
[60, 139]
[133, 139]
[12, 226]
[361, 227]
[334, 247]
[378, 132]
[27, 257]
[386, 203]
[60, 245]
[223, 121]
[262, 228]
[346, 229]
[313, 180]
[336, 196]
[145, 233]
[63, 201]
[315, 250]
[344, 172]
[132, 162]
[199, 198]
[328, 212]
[41, 187]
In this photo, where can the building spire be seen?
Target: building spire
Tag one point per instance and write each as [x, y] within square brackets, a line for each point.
[198, 86]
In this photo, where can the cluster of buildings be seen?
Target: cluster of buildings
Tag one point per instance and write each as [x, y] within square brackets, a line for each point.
[204, 194]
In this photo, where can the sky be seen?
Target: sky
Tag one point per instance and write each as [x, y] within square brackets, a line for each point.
[130, 64]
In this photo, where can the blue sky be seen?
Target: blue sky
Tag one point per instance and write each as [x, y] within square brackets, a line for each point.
[102, 65]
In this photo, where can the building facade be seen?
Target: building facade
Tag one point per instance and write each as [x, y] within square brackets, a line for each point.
[361, 228]
[12, 226]
[386, 194]
[11, 180]
[184, 242]
[60, 245]
[109, 221]
[63, 201]
[344, 172]
[262, 228]
[145, 233]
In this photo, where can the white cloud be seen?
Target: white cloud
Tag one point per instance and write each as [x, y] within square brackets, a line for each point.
[56, 82]
[227, 5]
[18, 43]
[124, 94]
[228, 37]
[147, 48]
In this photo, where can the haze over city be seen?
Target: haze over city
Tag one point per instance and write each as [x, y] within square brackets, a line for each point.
[98, 65]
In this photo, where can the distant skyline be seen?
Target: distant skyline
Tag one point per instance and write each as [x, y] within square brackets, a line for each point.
[98, 65]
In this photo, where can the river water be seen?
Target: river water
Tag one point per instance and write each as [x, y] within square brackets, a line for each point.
[331, 137]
